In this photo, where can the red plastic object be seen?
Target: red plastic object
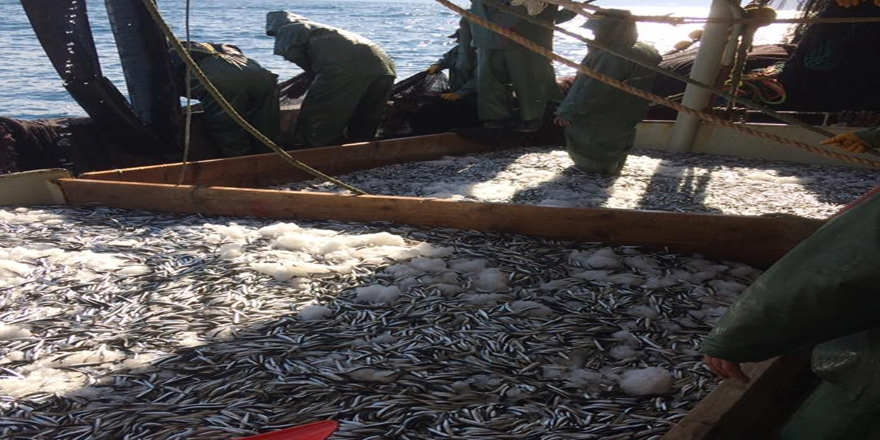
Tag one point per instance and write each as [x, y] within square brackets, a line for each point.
[312, 431]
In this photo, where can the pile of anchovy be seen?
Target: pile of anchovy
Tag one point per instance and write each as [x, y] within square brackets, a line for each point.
[655, 180]
[230, 356]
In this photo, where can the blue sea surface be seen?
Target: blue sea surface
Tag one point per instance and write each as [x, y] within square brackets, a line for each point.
[413, 32]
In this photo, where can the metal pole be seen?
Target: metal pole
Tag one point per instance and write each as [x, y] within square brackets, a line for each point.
[706, 69]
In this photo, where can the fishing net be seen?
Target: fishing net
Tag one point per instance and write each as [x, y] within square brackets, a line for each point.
[419, 86]
[835, 66]
[294, 88]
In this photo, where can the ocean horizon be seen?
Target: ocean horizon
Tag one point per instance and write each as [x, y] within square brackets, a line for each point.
[413, 32]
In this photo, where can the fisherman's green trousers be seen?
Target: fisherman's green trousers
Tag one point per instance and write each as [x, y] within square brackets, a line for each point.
[830, 414]
[599, 148]
[531, 76]
[339, 99]
[253, 93]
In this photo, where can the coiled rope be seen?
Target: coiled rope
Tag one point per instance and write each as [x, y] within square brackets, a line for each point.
[184, 55]
[666, 72]
[620, 85]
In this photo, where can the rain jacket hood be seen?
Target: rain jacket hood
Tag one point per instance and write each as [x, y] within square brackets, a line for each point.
[610, 26]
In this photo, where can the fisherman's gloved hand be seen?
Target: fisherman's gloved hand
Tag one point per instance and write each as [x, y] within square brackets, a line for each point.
[726, 369]
[562, 122]
[450, 96]
[848, 141]
[433, 69]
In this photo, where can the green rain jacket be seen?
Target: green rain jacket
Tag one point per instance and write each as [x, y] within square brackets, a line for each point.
[248, 87]
[593, 101]
[486, 39]
[314, 46]
[871, 136]
[822, 292]
[461, 61]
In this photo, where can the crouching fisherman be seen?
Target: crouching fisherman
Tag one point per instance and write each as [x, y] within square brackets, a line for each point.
[461, 61]
[600, 120]
[248, 87]
[352, 79]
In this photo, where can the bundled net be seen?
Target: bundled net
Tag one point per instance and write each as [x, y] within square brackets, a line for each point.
[419, 86]
[294, 88]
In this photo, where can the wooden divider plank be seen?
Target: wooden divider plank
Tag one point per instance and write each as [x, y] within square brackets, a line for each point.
[759, 241]
[270, 169]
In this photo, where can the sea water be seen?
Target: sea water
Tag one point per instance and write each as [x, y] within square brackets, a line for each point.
[413, 32]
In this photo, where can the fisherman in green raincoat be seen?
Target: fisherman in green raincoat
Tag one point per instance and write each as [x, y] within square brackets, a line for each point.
[503, 65]
[822, 292]
[248, 87]
[461, 62]
[352, 79]
[600, 120]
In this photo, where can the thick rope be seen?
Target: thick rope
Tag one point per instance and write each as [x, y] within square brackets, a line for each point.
[583, 9]
[666, 72]
[184, 54]
[187, 128]
[620, 85]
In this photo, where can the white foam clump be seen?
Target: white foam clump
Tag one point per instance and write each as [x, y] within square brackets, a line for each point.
[401, 271]
[9, 268]
[554, 285]
[626, 337]
[139, 361]
[133, 271]
[8, 331]
[592, 275]
[465, 265]
[428, 264]
[233, 232]
[491, 279]
[385, 338]
[230, 251]
[604, 259]
[288, 270]
[530, 308]
[373, 375]
[644, 311]
[46, 380]
[99, 356]
[190, 339]
[314, 313]
[626, 279]
[621, 352]
[25, 215]
[727, 287]
[481, 299]
[646, 381]
[377, 294]
[644, 264]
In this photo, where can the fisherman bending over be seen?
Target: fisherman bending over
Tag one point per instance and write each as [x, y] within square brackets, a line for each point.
[248, 87]
[600, 120]
[461, 61]
[352, 79]
[822, 292]
[502, 63]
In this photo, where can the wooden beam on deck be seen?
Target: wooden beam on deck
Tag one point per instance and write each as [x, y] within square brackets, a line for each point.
[754, 411]
[758, 241]
[269, 169]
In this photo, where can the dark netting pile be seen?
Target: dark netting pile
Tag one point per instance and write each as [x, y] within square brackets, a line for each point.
[419, 86]
[294, 88]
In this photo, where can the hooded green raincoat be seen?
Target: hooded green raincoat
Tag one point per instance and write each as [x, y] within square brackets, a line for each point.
[871, 136]
[501, 63]
[461, 62]
[603, 118]
[352, 78]
[822, 292]
[248, 87]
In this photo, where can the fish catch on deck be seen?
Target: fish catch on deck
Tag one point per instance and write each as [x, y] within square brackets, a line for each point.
[153, 326]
